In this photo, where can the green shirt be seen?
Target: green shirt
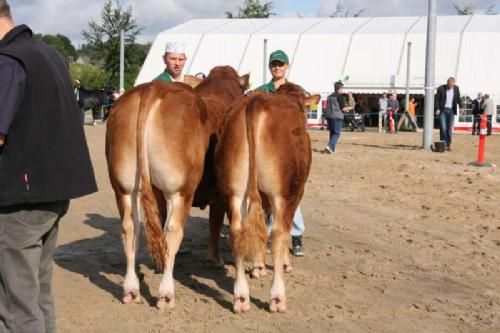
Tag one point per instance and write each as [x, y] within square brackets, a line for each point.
[267, 87]
[164, 77]
[270, 88]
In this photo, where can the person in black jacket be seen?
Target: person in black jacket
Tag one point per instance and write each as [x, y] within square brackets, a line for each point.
[476, 113]
[447, 99]
[44, 162]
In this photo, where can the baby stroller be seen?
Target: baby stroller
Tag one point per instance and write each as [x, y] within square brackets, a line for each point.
[355, 121]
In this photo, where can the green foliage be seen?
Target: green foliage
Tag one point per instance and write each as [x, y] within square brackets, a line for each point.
[136, 55]
[91, 76]
[253, 9]
[103, 39]
[61, 43]
[341, 12]
[467, 9]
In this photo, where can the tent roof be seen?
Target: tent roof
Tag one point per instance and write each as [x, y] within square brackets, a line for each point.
[366, 52]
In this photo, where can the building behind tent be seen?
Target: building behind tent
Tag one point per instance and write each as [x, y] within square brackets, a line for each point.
[368, 54]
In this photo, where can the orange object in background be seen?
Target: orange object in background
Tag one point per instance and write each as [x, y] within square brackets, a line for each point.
[482, 139]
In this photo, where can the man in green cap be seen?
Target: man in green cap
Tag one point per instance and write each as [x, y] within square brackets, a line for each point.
[175, 59]
[278, 65]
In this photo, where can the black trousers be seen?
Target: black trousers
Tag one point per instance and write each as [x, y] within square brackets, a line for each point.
[476, 121]
[489, 125]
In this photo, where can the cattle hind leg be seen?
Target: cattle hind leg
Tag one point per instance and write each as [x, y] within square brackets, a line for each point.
[280, 237]
[178, 212]
[216, 221]
[241, 289]
[129, 211]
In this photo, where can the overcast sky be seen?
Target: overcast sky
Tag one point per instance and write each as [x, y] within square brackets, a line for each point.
[70, 17]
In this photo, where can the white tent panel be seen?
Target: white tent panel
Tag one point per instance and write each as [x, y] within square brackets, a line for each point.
[225, 45]
[482, 54]
[319, 61]
[320, 55]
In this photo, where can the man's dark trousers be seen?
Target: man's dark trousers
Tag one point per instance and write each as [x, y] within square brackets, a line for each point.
[446, 120]
[28, 235]
[489, 124]
[475, 124]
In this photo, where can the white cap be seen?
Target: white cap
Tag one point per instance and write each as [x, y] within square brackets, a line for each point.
[175, 47]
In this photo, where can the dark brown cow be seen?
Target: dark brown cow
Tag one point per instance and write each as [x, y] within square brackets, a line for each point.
[156, 143]
[263, 161]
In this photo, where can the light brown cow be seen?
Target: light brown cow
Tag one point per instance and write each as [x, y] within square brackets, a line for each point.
[156, 144]
[263, 161]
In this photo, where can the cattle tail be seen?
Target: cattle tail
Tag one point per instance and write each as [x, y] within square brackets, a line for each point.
[251, 239]
[157, 244]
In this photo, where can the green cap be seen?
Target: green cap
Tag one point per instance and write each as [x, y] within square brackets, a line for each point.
[278, 55]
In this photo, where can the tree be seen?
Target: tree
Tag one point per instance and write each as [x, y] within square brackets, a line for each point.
[341, 12]
[253, 9]
[91, 77]
[103, 39]
[467, 9]
[470, 9]
[491, 10]
[61, 43]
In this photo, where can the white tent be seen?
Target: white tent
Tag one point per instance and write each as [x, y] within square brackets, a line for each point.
[369, 54]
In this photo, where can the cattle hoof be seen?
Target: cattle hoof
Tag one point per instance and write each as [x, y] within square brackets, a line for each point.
[277, 304]
[241, 304]
[131, 297]
[166, 303]
[288, 268]
[258, 272]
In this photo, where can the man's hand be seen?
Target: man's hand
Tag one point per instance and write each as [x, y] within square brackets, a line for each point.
[2, 139]
[438, 112]
[462, 111]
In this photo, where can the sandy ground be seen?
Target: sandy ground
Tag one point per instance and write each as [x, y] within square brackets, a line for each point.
[397, 240]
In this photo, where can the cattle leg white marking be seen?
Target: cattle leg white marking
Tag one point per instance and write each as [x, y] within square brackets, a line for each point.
[175, 230]
[280, 236]
[241, 290]
[130, 237]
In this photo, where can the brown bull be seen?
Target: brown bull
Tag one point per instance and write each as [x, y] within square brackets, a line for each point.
[263, 161]
[156, 144]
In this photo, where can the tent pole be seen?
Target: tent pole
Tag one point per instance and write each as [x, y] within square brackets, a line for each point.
[430, 64]
[264, 73]
[122, 61]
[408, 67]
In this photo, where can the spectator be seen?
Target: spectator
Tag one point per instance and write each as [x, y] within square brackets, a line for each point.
[489, 109]
[477, 110]
[382, 112]
[447, 99]
[393, 106]
[45, 162]
[81, 109]
[334, 115]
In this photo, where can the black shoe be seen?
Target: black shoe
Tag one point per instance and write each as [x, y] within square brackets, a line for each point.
[297, 248]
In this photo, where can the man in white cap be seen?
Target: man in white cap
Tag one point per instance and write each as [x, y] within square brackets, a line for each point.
[175, 59]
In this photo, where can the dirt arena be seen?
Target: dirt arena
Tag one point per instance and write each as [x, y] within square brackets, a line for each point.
[398, 240]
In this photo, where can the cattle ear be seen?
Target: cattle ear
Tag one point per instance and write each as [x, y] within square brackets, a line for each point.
[313, 99]
[191, 80]
[245, 81]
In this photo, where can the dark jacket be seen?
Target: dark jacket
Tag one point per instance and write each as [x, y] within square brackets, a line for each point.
[45, 157]
[476, 107]
[441, 98]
